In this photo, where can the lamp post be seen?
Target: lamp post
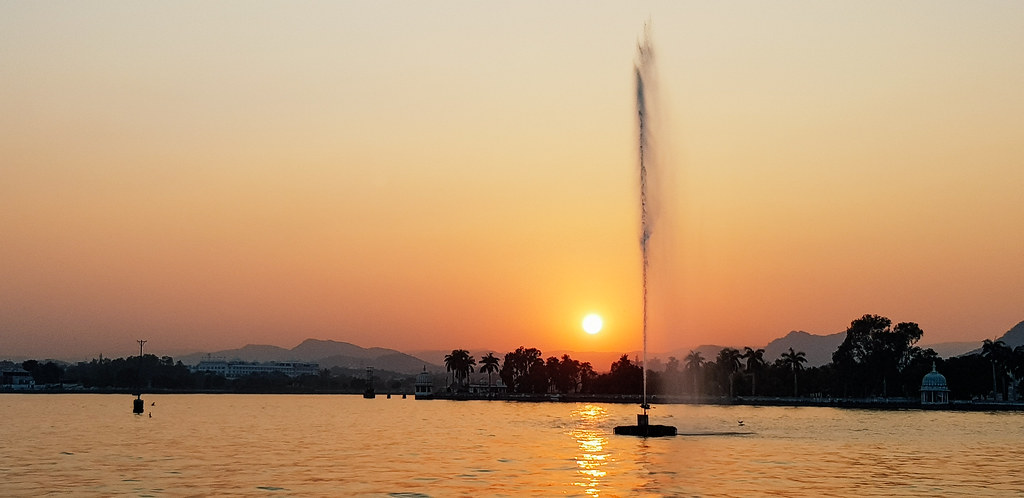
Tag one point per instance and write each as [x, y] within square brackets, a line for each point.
[138, 406]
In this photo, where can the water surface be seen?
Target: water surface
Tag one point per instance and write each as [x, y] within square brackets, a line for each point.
[92, 445]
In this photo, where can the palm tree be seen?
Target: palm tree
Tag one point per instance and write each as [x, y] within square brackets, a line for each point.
[694, 362]
[794, 360]
[489, 365]
[730, 361]
[995, 351]
[755, 360]
[459, 363]
[451, 364]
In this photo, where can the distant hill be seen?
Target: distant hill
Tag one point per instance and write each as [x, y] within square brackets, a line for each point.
[951, 349]
[327, 353]
[707, 351]
[1015, 336]
[817, 348]
[436, 356]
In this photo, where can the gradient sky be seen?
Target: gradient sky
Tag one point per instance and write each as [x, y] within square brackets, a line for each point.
[439, 175]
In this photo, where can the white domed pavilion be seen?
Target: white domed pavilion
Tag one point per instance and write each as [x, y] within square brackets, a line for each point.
[424, 384]
[933, 388]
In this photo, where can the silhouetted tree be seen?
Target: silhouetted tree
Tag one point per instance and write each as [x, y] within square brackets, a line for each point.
[694, 364]
[755, 362]
[793, 360]
[523, 371]
[489, 365]
[729, 362]
[874, 352]
[673, 376]
[563, 374]
[625, 377]
[44, 373]
[587, 376]
[997, 353]
[460, 363]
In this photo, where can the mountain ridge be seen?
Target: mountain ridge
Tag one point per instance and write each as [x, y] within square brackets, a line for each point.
[328, 353]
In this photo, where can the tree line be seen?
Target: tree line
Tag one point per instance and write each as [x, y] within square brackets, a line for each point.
[525, 370]
[875, 359]
[152, 373]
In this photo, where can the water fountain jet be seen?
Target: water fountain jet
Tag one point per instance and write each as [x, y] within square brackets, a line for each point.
[644, 70]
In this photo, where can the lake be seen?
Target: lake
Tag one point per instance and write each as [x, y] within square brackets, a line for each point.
[331, 445]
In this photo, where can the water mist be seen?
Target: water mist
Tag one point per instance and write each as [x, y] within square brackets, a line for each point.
[644, 72]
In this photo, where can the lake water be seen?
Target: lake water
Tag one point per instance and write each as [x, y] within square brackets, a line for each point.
[92, 445]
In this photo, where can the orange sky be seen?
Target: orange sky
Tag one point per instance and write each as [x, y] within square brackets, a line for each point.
[457, 174]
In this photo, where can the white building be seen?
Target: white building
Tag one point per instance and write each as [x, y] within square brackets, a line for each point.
[424, 384]
[933, 388]
[236, 369]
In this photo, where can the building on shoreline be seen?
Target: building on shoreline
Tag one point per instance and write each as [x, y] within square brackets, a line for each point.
[424, 385]
[17, 379]
[933, 388]
[236, 369]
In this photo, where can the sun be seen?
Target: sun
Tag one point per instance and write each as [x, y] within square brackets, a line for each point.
[592, 323]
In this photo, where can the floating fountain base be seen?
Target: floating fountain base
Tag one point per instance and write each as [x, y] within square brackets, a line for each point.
[643, 429]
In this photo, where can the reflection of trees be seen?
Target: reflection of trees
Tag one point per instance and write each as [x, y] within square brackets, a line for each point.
[591, 439]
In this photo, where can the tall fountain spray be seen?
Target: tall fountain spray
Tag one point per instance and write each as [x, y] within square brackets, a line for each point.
[644, 70]
[644, 59]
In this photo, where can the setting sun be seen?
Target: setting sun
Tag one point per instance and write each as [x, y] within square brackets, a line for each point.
[592, 324]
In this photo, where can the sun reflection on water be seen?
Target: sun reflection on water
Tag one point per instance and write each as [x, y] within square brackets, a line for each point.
[592, 441]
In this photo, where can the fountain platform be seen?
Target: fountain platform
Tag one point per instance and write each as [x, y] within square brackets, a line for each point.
[644, 429]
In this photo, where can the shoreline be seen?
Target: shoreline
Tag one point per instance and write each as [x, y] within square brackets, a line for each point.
[848, 403]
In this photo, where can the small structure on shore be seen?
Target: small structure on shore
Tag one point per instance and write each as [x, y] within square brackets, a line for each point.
[424, 384]
[933, 388]
[16, 378]
[369, 393]
[139, 406]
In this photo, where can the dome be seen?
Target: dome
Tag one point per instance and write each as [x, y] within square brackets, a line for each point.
[424, 378]
[933, 381]
[424, 384]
